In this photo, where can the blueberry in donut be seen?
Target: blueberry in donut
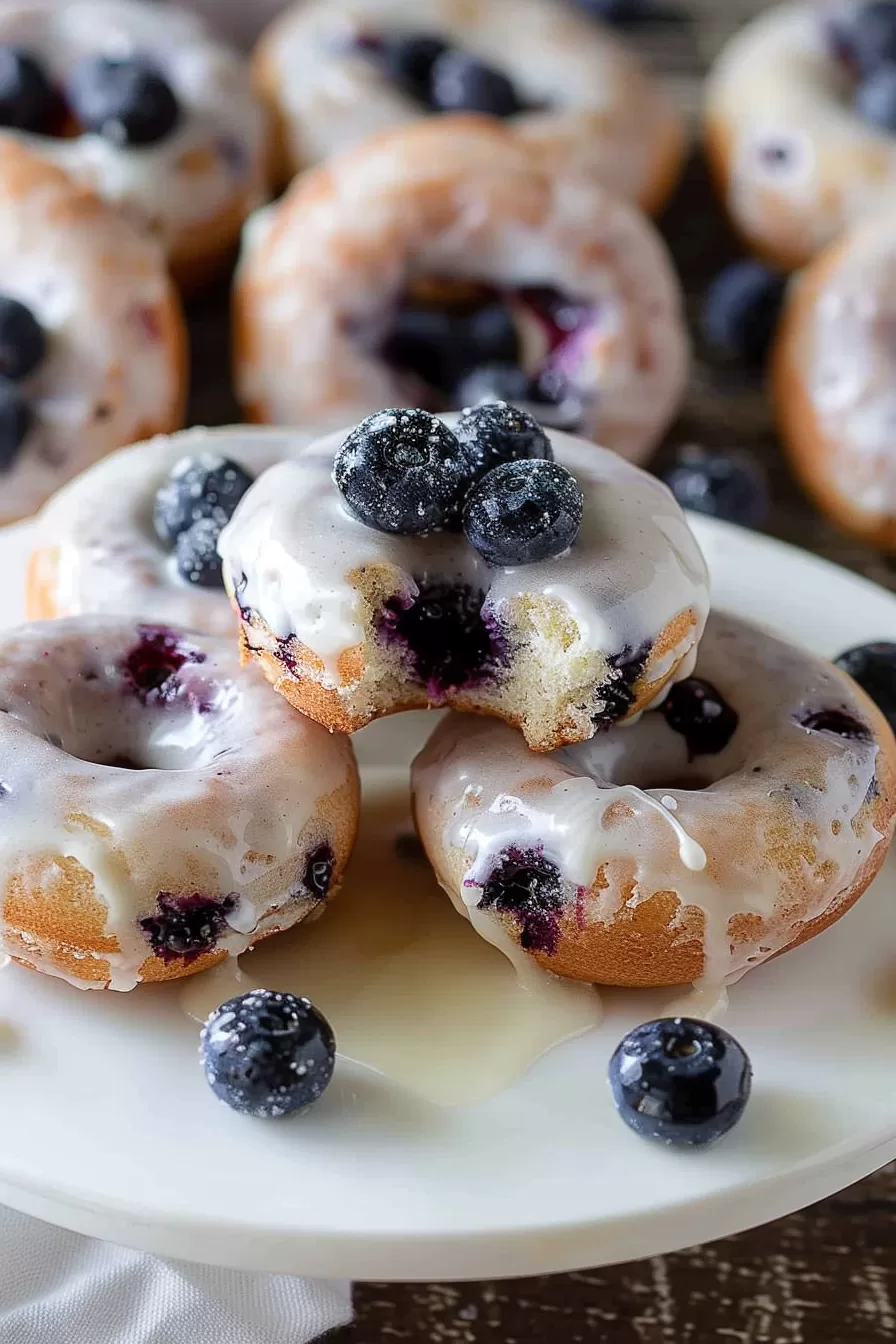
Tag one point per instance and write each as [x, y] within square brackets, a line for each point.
[28, 101]
[126, 101]
[873, 666]
[15, 421]
[23, 344]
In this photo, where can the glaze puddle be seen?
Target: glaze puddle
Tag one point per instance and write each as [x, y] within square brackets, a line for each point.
[410, 988]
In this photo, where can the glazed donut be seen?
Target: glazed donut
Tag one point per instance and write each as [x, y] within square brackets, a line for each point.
[170, 132]
[92, 342]
[164, 810]
[95, 547]
[834, 380]
[743, 817]
[350, 623]
[794, 161]
[333, 71]
[570, 283]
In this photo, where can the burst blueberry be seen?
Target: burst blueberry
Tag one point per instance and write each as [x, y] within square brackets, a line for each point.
[529, 887]
[680, 1081]
[185, 927]
[741, 311]
[497, 432]
[696, 710]
[204, 486]
[15, 421]
[461, 83]
[523, 512]
[873, 666]
[126, 101]
[268, 1054]
[27, 100]
[402, 471]
[22, 341]
[448, 644]
[196, 550]
[732, 486]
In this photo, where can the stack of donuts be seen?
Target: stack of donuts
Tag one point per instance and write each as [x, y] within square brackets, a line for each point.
[457, 336]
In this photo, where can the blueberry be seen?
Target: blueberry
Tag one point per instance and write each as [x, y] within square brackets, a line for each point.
[493, 382]
[873, 666]
[529, 887]
[732, 486]
[125, 101]
[876, 98]
[522, 512]
[448, 644]
[205, 486]
[460, 83]
[430, 342]
[27, 100]
[680, 1081]
[870, 35]
[704, 718]
[22, 341]
[318, 872]
[268, 1054]
[402, 471]
[185, 927]
[492, 335]
[15, 421]
[496, 433]
[409, 59]
[741, 312]
[196, 549]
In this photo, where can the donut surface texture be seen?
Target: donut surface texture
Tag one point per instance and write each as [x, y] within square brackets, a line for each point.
[350, 623]
[163, 809]
[741, 818]
[326, 270]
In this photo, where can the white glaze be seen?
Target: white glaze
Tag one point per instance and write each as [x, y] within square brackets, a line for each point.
[291, 548]
[113, 367]
[321, 275]
[777, 83]
[607, 804]
[226, 797]
[602, 113]
[846, 356]
[212, 163]
[95, 546]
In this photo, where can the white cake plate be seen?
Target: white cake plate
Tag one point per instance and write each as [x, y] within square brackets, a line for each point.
[107, 1127]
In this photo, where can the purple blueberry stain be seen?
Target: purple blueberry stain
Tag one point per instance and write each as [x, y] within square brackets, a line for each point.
[529, 887]
[150, 667]
[185, 927]
[617, 693]
[318, 873]
[449, 642]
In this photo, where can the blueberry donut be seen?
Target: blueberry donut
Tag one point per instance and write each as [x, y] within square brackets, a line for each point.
[801, 124]
[440, 255]
[136, 535]
[141, 103]
[92, 340]
[742, 817]
[574, 597]
[333, 71]
[163, 810]
[834, 380]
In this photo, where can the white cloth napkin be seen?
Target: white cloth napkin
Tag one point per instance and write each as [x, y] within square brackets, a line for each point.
[60, 1288]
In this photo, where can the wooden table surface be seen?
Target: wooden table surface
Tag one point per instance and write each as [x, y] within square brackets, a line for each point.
[823, 1276]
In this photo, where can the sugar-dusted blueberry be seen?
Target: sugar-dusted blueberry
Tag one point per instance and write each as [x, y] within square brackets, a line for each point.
[741, 311]
[408, 59]
[873, 666]
[402, 471]
[461, 83]
[184, 927]
[522, 512]
[22, 340]
[15, 421]
[196, 550]
[528, 886]
[680, 1081]
[27, 99]
[126, 101]
[730, 485]
[205, 485]
[497, 432]
[875, 99]
[701, 714]
[268, 1054]
[868, 35]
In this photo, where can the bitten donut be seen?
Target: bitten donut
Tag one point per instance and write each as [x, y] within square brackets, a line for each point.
[96, 548]
[163, 810]
[141, 103]
[834, 380]
[801, 141]
[739, 819]
[92, 340]
[442, 250]
[333, 71]
[351, 622]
